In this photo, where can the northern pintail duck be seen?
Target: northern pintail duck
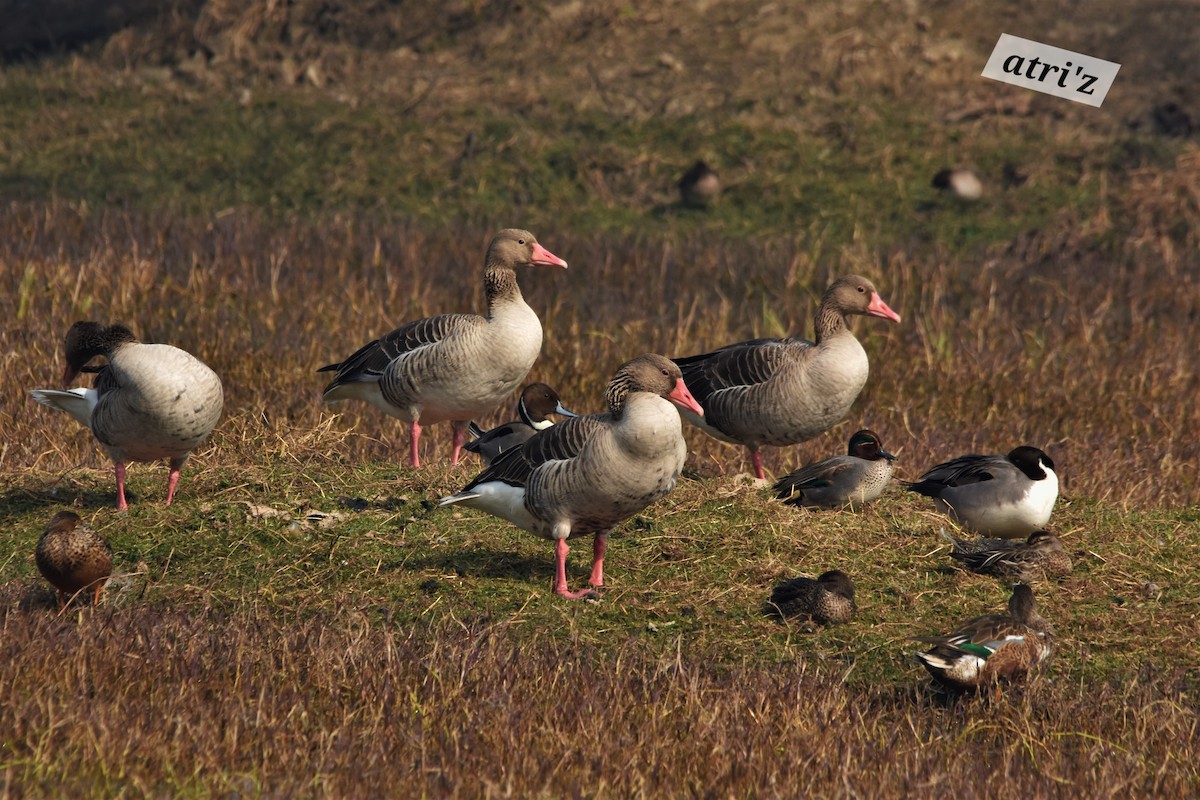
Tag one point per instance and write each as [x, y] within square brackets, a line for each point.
[149, 402]
[73, 557]
[453, 367]
[851, 480]
[700, 186]
[1008, 496]
[991, 648]
[828, 600]
[538, 401]
[588, 474]
[785, 391]
[1039, 557]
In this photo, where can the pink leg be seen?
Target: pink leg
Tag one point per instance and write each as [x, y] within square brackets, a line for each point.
[119, 468]
[756, 460]
[414, 438]
[173, 479]
[599, 544]
[460, 436]
[560, 574]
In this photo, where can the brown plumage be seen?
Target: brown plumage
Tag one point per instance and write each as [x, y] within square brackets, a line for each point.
[991, 648]
[828, 600]
[1038, 558]
[73, 557]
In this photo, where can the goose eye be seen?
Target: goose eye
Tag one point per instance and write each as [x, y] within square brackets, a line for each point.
[522, 241]
[862, 289]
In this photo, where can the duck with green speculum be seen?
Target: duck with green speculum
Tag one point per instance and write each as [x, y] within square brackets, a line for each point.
[991, 648]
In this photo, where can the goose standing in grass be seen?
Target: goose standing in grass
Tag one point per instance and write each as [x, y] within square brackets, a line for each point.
[851, 480]
[991, 648]
[453, 367]
[828, 600]
[1039, 557]
[785, 391]
[538, 401]
[73, 557]
[149, 402]
[588, 474]
[1008, 496]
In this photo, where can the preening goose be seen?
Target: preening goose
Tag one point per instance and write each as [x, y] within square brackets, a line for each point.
[785, 391]
[455, 366]
[1009, 496]
[538, 401]
[149, 402]
[828, 600]
[991, 648]
[73, 557]
[587, 474]
[858, 477]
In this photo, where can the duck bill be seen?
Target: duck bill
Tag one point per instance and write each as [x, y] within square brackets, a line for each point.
[682, 397]
[562, 412]
[70, 373]
[885, 454]
[543, 257]
[878, 308]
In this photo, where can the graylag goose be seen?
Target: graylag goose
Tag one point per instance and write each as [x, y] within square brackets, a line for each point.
[73, 557]
[785, 391]
[538, 401]
[453, 367]
[149, 402]
[991, 648]
[846, 481]
[1008, 496]
[587, 474]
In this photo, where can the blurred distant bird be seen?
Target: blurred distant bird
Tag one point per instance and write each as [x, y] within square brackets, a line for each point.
[1171, 120]
[589, 474]
[1013, 177]
[73, 557]
[828, 600]
[785, 391]
[991, 648]
[1041, 556]
[1009, 496]
[858, 477]
[538, 401]
[455, 366]
[149, 402]
[700, 186]
[962, 183]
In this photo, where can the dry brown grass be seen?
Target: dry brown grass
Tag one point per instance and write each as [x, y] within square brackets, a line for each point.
[154, 702]
[1078, 338]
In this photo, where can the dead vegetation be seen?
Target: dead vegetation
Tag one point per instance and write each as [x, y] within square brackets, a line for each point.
[256, 703]
[300, 624]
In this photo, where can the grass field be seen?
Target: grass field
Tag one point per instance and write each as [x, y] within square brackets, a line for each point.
[269, 188]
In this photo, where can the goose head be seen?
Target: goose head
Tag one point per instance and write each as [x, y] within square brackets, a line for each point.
[86, 340]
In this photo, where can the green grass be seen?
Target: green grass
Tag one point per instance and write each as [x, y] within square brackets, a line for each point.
[302, 623]
[290, 152]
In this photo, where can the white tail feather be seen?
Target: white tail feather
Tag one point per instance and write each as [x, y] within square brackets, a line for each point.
[78, 402]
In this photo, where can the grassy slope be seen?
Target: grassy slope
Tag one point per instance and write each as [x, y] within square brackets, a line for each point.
[391, 647]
